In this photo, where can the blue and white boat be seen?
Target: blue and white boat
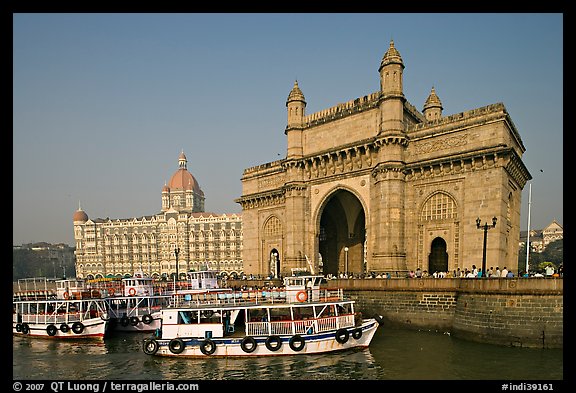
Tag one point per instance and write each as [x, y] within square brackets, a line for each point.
[298, 318]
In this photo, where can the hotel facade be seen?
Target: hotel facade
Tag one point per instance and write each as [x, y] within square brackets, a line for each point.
[182, 237]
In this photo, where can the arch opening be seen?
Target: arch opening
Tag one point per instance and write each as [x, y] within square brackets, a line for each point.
[342, 235]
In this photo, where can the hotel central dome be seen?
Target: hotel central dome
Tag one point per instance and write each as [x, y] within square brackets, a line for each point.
[182, 179]
[183, 193]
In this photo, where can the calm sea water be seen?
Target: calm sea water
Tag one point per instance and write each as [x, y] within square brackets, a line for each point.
[394, 354]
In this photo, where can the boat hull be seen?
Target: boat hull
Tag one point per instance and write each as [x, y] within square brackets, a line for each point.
[94, 328]
[324, 342]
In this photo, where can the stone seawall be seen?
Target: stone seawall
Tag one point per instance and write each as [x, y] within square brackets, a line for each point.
[512, 312]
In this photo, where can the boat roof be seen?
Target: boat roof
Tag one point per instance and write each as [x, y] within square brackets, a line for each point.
[225, 307]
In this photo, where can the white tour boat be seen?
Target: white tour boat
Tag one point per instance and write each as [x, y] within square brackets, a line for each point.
[299, 318]
[137, 307]
[40, 312]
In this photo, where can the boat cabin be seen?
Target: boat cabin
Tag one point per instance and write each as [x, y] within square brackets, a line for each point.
[138, 285]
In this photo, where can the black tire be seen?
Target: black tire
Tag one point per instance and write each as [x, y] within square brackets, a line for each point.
[64, 328]
[357, 333]
[208, 313]
[18, 327]
[124, 321]
[147, 319]
[134, 321]
[105, 316]
[77, 327]
[208, 347]
[176, 345]
[51, 330]
[273, 343]
[25, 328]
[342, 336]
[150, 346]
[248, 344]
[297, 343]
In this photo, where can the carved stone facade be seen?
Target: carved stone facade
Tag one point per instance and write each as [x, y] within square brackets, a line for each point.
[375, 185]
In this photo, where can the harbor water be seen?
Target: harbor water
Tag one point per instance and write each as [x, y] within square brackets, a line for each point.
[394, 354]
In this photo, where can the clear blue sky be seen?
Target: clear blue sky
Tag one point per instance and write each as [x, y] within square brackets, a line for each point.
[104, 103]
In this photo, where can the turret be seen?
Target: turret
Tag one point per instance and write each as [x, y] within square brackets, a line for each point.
[296, 106]
[432, 107]
[392, 96]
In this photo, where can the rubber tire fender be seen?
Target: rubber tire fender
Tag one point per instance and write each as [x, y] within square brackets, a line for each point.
[273, 343]
[147, 319]
[176, 345]
[297, 343]
[77, 327]
[51, 330]
[64, 328]
[134, 321]
[357, 333]
[150, 346]
[248, 344]
[208, 347]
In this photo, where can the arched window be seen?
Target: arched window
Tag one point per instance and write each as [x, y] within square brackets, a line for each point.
[273, 227]
[439, 206]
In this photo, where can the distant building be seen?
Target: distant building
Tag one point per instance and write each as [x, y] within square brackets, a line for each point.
[540, 238]
[182, 232]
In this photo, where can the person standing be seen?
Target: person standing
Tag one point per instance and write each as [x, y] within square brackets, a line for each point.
[504, 272]
[496, 272]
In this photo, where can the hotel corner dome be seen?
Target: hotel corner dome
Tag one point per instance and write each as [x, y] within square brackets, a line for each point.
[182, 179]
[80, 215]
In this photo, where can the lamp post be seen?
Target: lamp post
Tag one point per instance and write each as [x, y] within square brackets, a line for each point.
[528, 233]
[485, 227]
[346, 260]
[176, 252]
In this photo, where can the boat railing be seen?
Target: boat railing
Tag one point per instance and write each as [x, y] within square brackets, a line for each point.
[256, 296]
[305, 326]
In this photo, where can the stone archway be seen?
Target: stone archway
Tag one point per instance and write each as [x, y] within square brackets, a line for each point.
[342, 234]
[438, 257]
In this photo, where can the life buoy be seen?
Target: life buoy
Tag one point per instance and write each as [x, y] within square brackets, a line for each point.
[176, 345]
[208, 347]
[297, 343]
[147, 319]
[51, 330]
[150, 346]
[134, 321]
[357, 333]
[248, 344]
[302, 296]
[110, 291]
[95, 293]
[342, 336]
[273, 343]
[124, 321]
[66, 295]
[77, 327]
[132, 291]
[64, 328]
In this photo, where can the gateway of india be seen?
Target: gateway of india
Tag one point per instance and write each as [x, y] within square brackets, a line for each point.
[374, 185]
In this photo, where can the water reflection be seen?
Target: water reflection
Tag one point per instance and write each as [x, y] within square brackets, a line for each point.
[394, 355]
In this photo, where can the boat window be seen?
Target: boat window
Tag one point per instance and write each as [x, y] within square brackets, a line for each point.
[257, 315]
[280, 314]
[185, 317]
[301, 313]
[345, 308]
[325, 311]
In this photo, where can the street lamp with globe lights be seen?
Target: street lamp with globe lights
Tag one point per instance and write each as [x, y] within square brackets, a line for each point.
[485, 227]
